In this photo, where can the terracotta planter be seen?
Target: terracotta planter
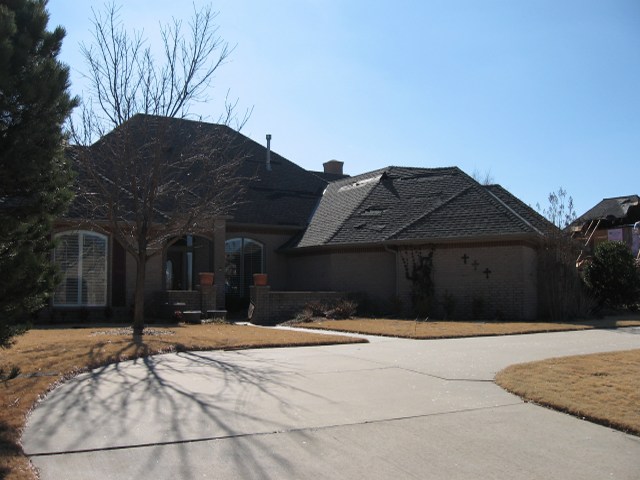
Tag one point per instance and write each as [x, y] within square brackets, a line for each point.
[206, 278]
[260, 279]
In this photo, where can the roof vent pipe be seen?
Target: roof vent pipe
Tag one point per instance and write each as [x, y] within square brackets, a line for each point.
[268, 151]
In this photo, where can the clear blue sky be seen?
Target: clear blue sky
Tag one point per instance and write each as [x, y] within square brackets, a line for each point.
[541, 93]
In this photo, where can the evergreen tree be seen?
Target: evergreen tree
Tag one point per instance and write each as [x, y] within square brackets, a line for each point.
[34, 175]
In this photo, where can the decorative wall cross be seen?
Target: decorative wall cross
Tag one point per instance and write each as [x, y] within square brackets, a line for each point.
[487, 272]
[464, 258]
[475, 265]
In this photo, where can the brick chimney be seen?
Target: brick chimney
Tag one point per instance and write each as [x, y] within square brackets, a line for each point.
[333, 166]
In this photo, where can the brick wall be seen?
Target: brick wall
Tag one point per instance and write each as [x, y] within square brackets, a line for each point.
[185, 300]
[500, 280]
[364, 270]
[271, 308]
[501, 277]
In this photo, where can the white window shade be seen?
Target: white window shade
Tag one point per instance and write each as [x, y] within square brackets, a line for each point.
[82, 260]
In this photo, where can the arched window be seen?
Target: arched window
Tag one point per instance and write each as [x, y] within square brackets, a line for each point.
[82, 259]
[244, 257]
[186, 257]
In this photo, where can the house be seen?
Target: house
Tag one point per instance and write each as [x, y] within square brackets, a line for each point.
[611, 219]
[321, 231]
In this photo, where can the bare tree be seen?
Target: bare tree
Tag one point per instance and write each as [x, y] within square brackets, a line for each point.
[560, 209]
[125, 78]
[562, 290]
[483, 178]
[152, 176]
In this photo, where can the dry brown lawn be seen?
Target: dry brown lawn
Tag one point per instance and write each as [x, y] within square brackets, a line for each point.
[435, 329]
[603, 388]
[47, 356]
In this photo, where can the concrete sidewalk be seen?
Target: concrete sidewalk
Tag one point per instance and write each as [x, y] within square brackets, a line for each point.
[389, 409]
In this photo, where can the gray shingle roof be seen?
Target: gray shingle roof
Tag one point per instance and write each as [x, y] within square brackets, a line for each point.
[330, 177]
[284, 195]
[397, 203]
[338, 204]
[525, 211]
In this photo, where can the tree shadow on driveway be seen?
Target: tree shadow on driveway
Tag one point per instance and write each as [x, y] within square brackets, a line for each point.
[171, 400]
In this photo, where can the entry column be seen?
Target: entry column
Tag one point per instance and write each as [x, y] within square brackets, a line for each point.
[219, 259]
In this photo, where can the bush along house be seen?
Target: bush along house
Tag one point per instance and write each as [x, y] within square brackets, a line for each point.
[432, 241]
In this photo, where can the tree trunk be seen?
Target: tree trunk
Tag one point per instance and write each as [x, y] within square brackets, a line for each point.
[138, 302]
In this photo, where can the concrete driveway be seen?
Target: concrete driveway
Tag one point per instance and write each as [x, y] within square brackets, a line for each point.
[389, 409]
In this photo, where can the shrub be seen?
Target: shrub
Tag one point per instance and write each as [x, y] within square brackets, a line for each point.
[303, 317]
[316, 308]
[11, 374]
[342, 309]
[611, 275]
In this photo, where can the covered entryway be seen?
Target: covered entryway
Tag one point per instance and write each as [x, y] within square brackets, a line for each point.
[186, 258]
[243, 258]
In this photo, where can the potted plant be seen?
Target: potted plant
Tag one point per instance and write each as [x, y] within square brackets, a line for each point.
[206, 278]
[260, 279]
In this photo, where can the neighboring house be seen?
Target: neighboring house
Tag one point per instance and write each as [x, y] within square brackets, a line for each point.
[327, 231]
[611, 219]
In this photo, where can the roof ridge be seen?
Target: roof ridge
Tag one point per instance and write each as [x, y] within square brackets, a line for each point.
[521, 203]
[141, 115]
[400, 167]
[511, 210]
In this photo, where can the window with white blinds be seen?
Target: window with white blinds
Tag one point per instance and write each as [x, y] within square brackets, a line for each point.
[82, 260]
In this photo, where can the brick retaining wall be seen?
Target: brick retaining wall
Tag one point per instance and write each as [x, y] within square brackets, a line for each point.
[271, 308]
[185, 300]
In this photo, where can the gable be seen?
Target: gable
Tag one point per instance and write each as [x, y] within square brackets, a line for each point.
[468, 214]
